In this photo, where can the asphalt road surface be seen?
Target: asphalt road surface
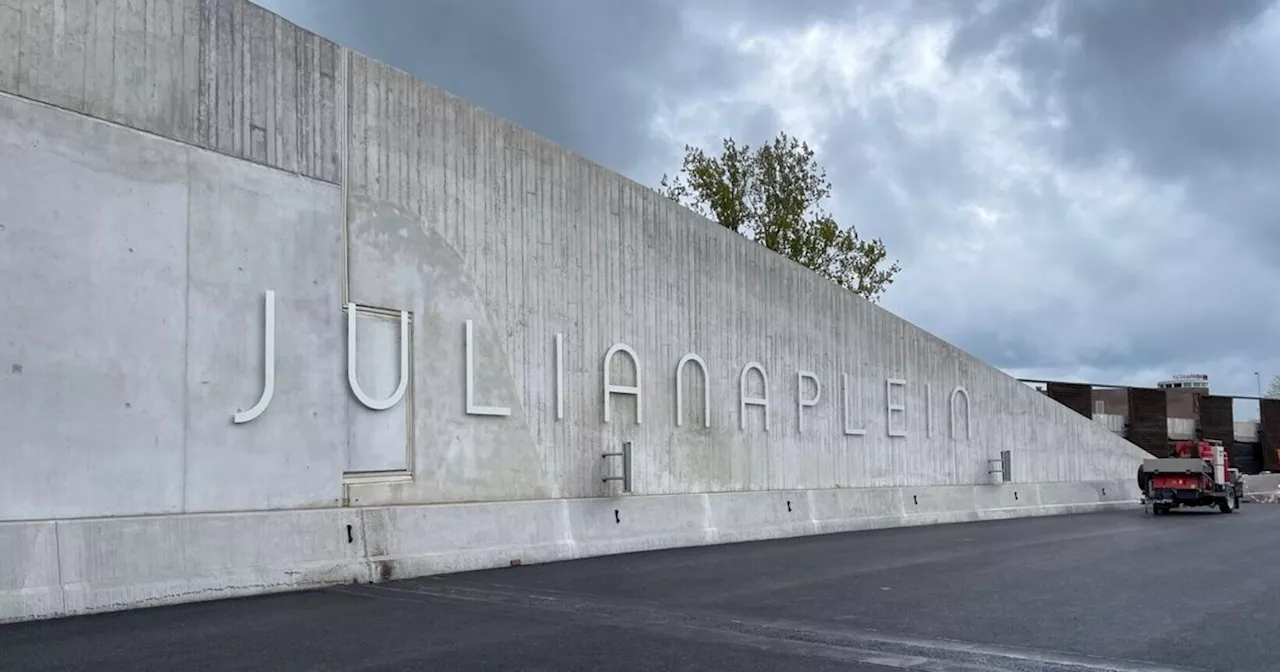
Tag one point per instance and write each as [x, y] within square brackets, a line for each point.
[1097, 592]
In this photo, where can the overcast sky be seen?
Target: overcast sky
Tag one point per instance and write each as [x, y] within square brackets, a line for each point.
[1085, 190]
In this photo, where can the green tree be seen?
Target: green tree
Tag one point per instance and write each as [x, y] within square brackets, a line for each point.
[1274, 390]
[773, 196]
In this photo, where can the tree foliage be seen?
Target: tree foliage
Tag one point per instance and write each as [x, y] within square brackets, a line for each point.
[773, 196]
[1274, 390]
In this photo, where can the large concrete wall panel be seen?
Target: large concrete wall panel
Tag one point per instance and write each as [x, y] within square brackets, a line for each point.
[93, 248]
[137, 267]
[461, 218]
[457, 215]
[139, 314]
[221, 74]
[457, 456]
[105, 564]
[253, 230]
[29, 585]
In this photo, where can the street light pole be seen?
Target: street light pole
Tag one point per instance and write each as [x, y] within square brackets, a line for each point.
[1259, 379]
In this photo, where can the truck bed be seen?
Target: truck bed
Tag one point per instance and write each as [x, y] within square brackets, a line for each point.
[1177, 465]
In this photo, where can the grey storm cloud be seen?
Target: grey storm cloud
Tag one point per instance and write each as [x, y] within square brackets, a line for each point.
[1135, 241]
[1181, 90]
[1168, 83]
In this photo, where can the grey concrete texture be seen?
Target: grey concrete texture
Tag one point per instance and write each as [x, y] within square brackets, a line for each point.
[66, 567]
[1262, 488]
[165, 165]
[135, 270]
[219, 74]
[456, 216]
[1089, 592]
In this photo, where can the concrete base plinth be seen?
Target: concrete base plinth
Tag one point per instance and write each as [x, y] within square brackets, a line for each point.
[66, 567]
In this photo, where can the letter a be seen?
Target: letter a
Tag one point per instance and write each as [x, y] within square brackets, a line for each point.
[706, 389]
[958, 392]
[745, 399]
[611, 389]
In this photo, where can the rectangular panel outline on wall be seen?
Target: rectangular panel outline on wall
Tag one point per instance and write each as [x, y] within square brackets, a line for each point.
[343, 94]
[233, 68]
[389, 475]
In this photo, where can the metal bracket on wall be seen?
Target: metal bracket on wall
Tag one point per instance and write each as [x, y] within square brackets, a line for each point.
[625, 454]
[1005, 469]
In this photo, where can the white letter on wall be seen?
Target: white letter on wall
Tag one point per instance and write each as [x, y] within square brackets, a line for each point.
[375, 404]
[472, 409]
[268, 365]
[559, 376]
[611, 389]
[706, 390]
[745, 400]
[968, 416]
[848, 424]
[891, 407]
[928, 410]
[801, 402]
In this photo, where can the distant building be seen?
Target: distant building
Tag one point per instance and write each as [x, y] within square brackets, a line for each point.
[1183, 393]
[1194, 381]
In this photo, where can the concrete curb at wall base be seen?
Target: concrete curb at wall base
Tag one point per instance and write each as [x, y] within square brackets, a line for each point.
[68, 567]
[1261, 484]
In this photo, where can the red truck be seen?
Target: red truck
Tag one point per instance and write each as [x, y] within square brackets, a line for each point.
[1199, 474]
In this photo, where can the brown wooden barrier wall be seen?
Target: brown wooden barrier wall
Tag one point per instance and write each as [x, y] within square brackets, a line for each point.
[1269, 433]
[1074, 396]
[1149, 421]
[1217, 420]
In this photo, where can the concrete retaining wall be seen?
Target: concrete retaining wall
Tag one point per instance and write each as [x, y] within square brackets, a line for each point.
[224, 241]
[78, 566]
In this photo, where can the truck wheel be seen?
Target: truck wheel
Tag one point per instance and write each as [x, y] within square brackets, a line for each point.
[1225, 504]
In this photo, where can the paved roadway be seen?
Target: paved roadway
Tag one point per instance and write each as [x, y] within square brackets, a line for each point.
[1110, 591]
